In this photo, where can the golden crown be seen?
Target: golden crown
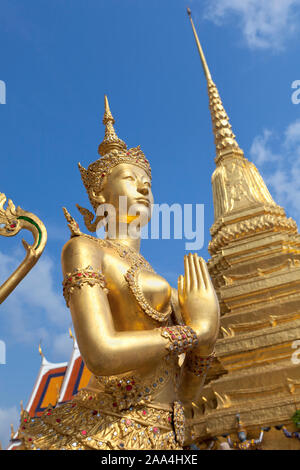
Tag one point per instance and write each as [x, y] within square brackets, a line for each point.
[113, 151]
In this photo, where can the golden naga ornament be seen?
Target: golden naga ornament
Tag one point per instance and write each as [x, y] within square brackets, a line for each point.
[12, 221]
[127, 323]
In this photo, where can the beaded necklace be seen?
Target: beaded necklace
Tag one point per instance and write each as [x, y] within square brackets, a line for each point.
[137, 262]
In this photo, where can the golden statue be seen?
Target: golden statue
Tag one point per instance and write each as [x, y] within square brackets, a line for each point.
[147, 345]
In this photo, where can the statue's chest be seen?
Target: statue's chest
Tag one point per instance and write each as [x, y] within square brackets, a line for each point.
[137, 284]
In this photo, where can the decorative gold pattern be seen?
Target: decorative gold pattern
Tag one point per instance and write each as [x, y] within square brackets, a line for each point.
[179, 422]
[181, 338]
[91, 422]
[132, 278]
[88, 216]
[267, 222]
[289, 263]
[72, 224]
[224, 137]
[81, 277]
[131, 255]
[199, 365]
[94, 176]
[138, 262]
[238, 185]
[129, 390]
[123, 251]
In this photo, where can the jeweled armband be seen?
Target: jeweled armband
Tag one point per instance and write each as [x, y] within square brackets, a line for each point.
[199, 365]
[80, 277]
[181, 338]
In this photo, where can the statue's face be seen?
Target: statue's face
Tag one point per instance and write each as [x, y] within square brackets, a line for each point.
[134, 183]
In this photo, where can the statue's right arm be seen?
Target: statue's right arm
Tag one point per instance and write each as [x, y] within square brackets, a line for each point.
[105, 351]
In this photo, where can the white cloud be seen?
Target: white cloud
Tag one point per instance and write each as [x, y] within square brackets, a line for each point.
[292, 134]
[283, 175]
[260, 148]
[35, 310]
[8, 416]
[265, 24]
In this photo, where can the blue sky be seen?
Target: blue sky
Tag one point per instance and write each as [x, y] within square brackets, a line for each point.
[59, 58]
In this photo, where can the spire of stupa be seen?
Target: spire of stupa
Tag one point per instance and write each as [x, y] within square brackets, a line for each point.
[225, 140]
[111, 141]
[237, 184]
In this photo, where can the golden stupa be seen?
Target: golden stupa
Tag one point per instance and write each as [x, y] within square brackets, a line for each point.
[255, 267]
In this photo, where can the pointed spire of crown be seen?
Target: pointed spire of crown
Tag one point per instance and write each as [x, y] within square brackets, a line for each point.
[113, 152]
[224, 137]
[111, 140]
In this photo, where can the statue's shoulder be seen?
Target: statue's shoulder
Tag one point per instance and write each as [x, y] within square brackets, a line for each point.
[80, 242]
[85, 242]
[81, 248]
[82, 251]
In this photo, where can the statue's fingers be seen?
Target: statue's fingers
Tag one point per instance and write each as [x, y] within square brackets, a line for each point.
[205, 273]
[201, 282]
[197, 270]
[194, 283]
[187, 279]
[180, 285]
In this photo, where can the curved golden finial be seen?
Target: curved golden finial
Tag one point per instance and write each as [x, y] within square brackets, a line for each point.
[72, 224]
[71, 335]
[12, 431]
[224, 137]
[22, 409]
[111, 141]
[40, 350]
